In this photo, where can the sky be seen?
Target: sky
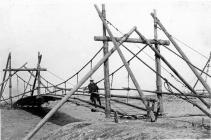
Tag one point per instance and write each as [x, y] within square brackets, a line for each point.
[63, 31]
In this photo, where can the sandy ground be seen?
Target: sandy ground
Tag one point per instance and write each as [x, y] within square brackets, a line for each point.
[84, 124]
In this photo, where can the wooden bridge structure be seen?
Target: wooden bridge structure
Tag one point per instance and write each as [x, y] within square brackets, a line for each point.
[47, 91]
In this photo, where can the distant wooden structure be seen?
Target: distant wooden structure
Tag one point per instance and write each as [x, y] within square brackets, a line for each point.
[21, 69]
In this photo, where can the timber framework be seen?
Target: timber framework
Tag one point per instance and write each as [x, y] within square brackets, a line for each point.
[47, 91]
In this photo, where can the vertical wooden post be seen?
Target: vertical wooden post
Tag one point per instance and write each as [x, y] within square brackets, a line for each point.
[4, 77]
[106, 71]
[10, 80]
[158, 69]
[38, 74]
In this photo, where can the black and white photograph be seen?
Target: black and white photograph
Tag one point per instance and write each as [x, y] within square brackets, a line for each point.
[105, 69]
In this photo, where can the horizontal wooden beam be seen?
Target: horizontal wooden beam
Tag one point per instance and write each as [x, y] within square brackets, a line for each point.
[28, 69]
[132, 40]
[167, 93]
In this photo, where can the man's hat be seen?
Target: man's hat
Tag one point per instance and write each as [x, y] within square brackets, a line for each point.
[91, 80]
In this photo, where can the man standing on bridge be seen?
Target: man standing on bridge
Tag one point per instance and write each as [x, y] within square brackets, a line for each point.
[93, 90]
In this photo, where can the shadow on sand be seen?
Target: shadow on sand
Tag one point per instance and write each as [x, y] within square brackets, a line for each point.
[58, 118]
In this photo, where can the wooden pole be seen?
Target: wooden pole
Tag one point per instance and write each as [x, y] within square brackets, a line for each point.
[172, 68]
[4, 77]
[206, 86]
[158, 69]
[38, 74]
[75, 88]
[10, 80]
[132, 40]
[126, 64]
[165, 93]
[106, 71]
[138, 98]
[29, 69]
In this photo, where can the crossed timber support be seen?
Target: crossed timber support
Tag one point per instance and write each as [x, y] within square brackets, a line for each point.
[76, 87]
[179, 76]
[126, 65]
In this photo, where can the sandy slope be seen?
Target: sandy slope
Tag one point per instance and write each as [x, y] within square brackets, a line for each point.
[126, 130]
[80, 121]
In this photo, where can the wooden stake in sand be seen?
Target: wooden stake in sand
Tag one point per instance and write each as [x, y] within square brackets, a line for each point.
[158, 69]
[106, 71]
[75, 88]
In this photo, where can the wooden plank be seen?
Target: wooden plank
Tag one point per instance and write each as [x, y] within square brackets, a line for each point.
[132, 40]
[98, 105]
[128, 104]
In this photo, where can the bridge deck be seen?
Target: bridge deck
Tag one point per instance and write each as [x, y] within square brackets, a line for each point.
[35, 100]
